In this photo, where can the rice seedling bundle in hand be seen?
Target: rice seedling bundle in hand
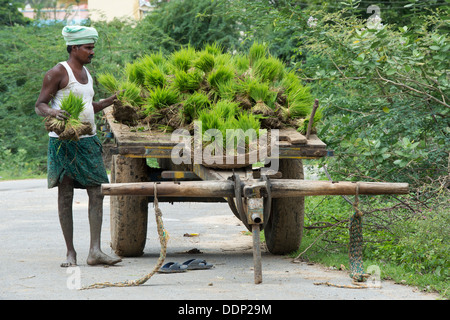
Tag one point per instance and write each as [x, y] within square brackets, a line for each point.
[191, 85]
[72, 128]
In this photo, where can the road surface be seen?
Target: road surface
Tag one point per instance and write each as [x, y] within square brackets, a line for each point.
[32, 248]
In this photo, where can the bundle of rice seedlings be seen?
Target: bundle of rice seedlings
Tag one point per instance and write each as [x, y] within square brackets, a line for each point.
[73, 104]
[242, 62]
[268, 69]
[55, 125]
[75, 129]
[220, 75]
[157, 58]
[256, 52]
[247, 121]
[304, 122]
[109, 82]
[224, 59]
[154, 77]
[263, 96]
[194, 104]
[135, 72]
[227, 90]
[250, 126]
[211, 120]
[290, 82]
[72, 128]
[187, 81]
[183, 59]
[127, 106]
[237, 132]
[300, 102]
[161, 97]
[225, 109]
[205, 62]
[129, 93]
[213, 49]
[148, 62]
[298, 97]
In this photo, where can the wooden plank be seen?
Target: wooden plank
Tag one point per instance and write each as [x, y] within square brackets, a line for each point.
[293, 136]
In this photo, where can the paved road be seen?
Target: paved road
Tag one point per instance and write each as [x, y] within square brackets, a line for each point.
[32, 248]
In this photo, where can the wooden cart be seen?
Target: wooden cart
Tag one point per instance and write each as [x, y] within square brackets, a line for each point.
[271, 202]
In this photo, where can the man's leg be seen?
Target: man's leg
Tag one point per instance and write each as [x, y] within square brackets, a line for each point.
[65, 199]
[96, 256]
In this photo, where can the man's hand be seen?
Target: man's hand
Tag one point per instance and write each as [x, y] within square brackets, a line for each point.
[60, 114]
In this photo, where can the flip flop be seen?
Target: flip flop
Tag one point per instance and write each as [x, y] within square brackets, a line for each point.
[197, 264]
[172, 267]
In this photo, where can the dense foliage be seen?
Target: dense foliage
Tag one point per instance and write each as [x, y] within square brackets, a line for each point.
[10, 15]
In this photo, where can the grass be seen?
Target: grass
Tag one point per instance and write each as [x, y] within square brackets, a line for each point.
[20, 175]
[332, 249]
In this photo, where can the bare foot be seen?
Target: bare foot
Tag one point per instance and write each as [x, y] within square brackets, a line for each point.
[98, 257]
[71, 260]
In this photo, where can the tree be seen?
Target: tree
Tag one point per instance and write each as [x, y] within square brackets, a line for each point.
[197, 22]
[10, 15]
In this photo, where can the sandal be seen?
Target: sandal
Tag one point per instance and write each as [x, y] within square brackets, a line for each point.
[197, 264]
[172, 267]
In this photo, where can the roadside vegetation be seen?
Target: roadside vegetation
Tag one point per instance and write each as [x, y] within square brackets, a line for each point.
[381, 75]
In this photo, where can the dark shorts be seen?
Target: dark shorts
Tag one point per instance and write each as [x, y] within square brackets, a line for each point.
[79, 160]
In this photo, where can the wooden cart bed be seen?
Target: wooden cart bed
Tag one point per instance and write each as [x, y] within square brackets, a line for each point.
[142, 142]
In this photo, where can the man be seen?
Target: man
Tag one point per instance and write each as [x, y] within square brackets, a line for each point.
[76, 164]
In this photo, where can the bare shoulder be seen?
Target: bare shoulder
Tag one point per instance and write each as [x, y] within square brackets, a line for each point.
[56, 76]
[57, 72]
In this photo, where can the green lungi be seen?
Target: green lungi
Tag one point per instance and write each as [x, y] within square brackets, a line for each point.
[79, 160]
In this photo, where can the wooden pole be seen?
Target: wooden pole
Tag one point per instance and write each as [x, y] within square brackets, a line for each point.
[257, 265]
[311, 118]
[281, 188]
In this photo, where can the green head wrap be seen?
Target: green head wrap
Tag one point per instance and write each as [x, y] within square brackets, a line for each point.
[77, 35]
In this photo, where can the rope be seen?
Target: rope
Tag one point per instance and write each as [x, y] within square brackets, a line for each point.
[163, 238]
[356, 242]
[355, 250]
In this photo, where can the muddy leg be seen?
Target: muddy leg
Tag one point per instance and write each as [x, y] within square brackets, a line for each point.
[65, 198]
[96, 256]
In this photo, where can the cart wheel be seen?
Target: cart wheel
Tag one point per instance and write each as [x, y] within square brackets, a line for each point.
[284, 229]
[128, 213]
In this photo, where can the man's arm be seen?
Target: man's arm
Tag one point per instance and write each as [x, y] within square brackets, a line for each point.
[50, 86]
[99, 106]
